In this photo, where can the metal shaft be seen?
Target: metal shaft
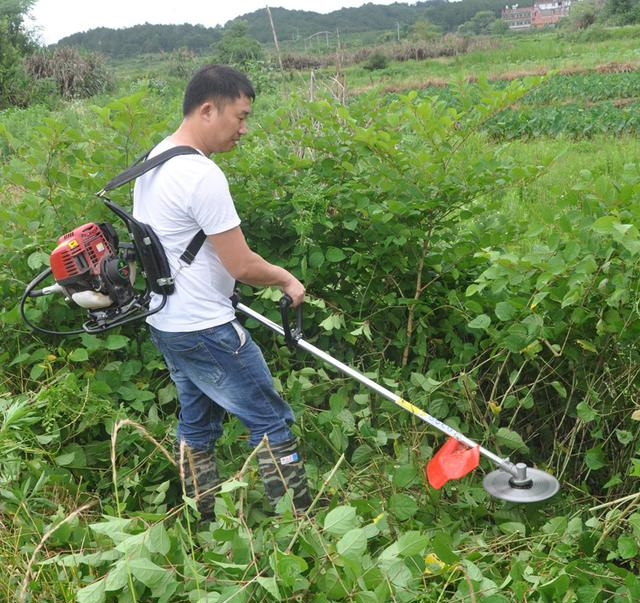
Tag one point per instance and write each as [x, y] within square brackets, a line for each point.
[383, 391]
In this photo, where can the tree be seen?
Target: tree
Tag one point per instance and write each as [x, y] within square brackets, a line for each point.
[623, 12]
[15, 43]
[583, 14]
[480, 23]
[425, 30]
[236, 46]
[498, 27]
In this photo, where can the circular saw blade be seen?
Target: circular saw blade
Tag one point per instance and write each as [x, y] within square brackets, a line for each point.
[498, 483]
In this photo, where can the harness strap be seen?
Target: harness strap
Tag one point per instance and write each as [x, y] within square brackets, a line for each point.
[142, 166]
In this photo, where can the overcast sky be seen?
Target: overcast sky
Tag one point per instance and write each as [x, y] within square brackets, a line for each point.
[55, 19]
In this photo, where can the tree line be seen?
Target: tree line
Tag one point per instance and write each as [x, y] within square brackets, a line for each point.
[290, 25]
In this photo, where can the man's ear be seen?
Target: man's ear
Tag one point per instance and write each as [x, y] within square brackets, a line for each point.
[207, 110]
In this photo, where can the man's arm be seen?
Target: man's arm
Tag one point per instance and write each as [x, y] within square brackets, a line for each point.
[248, 267]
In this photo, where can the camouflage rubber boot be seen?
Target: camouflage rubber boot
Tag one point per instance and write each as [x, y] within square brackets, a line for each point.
[198, 477]
[281, 469]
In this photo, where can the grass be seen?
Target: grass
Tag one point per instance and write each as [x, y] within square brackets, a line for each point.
[544, 199]
[516, 54]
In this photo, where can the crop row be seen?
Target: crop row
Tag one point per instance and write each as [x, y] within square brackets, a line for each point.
[578, 88]
[589, 87]
[573, 120]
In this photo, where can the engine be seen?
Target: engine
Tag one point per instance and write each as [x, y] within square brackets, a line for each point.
[86, 265]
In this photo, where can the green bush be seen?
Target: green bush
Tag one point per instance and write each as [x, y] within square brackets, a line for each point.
[376, 61]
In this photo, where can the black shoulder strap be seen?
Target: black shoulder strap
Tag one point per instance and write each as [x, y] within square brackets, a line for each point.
[141, 167]
[193, 247]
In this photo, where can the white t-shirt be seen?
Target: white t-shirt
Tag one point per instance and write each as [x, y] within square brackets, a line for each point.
[177, 199]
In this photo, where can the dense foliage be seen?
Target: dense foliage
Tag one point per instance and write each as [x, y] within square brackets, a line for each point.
[145, 38]
[15, 42]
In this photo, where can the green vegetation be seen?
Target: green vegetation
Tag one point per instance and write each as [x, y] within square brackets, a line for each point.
[147, 38]
[470, 245]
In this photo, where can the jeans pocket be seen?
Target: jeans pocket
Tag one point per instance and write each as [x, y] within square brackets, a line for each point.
[242, 334]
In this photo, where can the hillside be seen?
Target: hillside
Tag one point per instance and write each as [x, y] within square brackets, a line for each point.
[290, 25]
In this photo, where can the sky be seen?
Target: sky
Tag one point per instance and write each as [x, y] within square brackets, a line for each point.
[55, 19]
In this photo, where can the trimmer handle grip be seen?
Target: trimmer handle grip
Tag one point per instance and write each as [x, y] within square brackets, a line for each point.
[291, 338]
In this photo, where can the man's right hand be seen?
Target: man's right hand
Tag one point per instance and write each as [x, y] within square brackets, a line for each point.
[295, 290]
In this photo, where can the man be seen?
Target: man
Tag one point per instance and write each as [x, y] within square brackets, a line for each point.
[212, 359]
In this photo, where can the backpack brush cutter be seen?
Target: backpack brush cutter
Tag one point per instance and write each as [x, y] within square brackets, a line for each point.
[97, 272]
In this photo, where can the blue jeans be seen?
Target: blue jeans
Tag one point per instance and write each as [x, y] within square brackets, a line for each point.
[222, 369]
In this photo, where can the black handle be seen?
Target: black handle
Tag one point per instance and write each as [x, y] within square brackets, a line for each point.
[291, 338]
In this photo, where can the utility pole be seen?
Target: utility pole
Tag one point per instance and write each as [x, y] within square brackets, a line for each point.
[398, 28]
[275, 39]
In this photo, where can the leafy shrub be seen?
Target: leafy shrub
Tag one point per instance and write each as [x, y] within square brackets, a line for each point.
[376, 61]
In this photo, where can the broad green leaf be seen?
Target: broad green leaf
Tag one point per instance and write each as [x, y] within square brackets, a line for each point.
[585, 412]
[79, 355]
[513, 527]
[334, 254]
[555, 588]
[366, 596]
[118, 576]
[270, 585]
[627, 547]
[38, 259]
[479, 322]
[624, 437]
[510, 439]
[605, 225]
[232, 485]
[94, 593]
[411, 543]
[158, 539]
[113, 527]
[443, 548]
[595, 459]
[398, 573]
[353, 544]
[505, 311]
[287, 567]
[147, 571]
[473, 571]
[402, 506]
[406, 475]
[340, 520]
[116, 342]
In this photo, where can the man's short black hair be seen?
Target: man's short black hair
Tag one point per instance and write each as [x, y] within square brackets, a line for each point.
[218, 83]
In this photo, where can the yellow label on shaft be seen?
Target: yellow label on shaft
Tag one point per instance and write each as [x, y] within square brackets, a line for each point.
[412, 408]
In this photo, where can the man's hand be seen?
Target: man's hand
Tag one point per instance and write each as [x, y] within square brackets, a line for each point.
[295, 290]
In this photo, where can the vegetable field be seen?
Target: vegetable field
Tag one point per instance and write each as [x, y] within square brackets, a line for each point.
[474, 248]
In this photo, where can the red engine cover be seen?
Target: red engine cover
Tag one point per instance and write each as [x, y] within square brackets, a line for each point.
[79, 253]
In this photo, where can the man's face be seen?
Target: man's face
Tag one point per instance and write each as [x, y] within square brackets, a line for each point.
[226, 125]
